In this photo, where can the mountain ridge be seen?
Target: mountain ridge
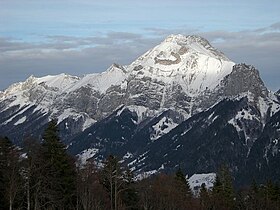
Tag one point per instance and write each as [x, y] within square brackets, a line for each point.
[176, 83]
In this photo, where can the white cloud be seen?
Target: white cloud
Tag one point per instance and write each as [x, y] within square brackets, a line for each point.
[80, 55]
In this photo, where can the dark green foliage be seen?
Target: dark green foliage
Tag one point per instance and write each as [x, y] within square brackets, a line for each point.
[182, 184]
[51, 183]
[10, 179]
[59, 171]
[259, 197]
[204, 198]
[5, 148]
[223, 193]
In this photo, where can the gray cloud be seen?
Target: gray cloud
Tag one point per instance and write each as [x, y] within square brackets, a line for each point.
[259, 49]
[276, 26]
[73, 55]
[81, 55]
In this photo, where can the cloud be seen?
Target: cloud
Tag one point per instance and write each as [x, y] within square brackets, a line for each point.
[276, 26]
[81, 55]
[260, 48]
[73, 55]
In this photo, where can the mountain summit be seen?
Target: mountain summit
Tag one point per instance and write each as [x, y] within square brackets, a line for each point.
[189, 61]
[183, 73]
[181, 103]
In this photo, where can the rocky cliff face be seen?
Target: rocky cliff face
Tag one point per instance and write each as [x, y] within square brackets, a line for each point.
[180, 97]
[170, 75]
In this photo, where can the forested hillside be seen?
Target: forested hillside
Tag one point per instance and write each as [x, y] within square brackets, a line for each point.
[42, 176]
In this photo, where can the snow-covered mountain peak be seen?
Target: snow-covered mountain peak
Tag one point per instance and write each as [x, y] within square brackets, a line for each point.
[60, 82]
[182, 39]
[114, 75]
[195, 44]
[55, 82]
[188, 60]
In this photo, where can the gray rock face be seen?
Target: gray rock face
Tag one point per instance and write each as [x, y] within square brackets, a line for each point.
[181, 103]
[244, 78]
[278, 95]
[184, 74]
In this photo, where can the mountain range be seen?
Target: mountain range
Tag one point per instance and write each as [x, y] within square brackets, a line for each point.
[181, 104]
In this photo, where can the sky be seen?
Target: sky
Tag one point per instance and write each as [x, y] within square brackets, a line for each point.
[78, 37]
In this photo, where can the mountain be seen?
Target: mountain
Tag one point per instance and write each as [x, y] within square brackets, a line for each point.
[183, 103]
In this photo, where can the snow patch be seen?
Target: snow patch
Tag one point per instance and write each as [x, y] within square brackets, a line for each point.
[127, 155]
[86, 154]
[67, 113]
[263, 106]
[141, 111]
[21, 120]
[89, 122]
[17, 114]
[145, 174]
[241, 116]
[196, 180]
[101, 82]
[164, 126]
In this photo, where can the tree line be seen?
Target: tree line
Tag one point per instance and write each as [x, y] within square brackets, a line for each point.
[42, 176]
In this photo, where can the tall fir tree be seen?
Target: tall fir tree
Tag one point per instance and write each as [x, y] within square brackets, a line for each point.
[183, 184]
[5, 147]
[204, 197]
[223, 193]
[10, 179]
[59, 169]
[182, 190]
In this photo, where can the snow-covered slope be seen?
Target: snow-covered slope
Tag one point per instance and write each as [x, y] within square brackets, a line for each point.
[165, 77]
[183, 73]
[183, 103]
[188, 60]
[196, 180]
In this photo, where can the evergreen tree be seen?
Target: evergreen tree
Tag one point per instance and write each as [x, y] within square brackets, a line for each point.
[252, 201]
[223, 193]
[10, 179]
[5, 147]
[59, 170]
[182, 183]
[204, 197]
[183, 190]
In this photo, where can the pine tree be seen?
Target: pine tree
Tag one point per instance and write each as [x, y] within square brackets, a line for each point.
[183, 183]
[252, 200]
[182, 190]
[204, 197]
[223, 193]
[59, 169]
[10, 179]
[5, 147]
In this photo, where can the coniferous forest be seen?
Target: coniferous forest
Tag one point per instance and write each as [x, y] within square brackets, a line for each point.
[43, 176]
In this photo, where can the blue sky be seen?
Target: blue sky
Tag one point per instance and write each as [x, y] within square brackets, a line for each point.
[85, 36]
